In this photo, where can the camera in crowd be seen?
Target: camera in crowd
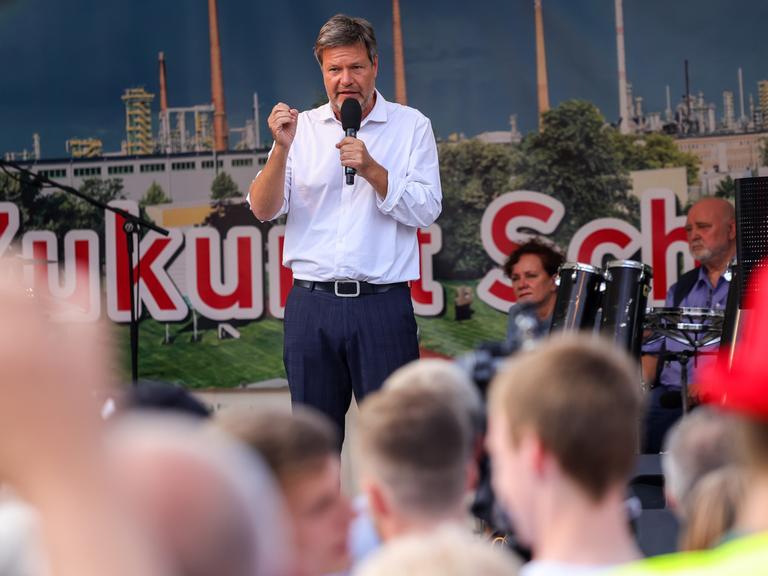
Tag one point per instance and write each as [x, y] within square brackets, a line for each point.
[482, 364]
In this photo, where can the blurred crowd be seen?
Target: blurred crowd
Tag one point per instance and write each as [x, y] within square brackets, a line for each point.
[99, 478]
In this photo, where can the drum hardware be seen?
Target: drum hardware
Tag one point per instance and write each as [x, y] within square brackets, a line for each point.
[692, 327]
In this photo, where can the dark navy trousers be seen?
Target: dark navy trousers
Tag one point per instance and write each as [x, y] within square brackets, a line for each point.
[335, 346]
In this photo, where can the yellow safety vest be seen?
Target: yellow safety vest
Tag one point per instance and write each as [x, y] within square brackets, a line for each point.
[745, 556]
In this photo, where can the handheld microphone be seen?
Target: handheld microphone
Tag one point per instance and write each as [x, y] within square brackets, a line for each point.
[351, 115]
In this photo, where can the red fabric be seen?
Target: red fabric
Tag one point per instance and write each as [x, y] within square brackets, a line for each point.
[744, 388]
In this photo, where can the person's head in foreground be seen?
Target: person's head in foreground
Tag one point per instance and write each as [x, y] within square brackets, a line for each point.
[703, 441]
[562, 438]
[414, 452]
[206, 502]
[447, 551]
[301, 448]
[446, 379]
[714, 504]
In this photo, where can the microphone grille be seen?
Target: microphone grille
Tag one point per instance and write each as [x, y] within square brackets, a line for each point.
[351, 114]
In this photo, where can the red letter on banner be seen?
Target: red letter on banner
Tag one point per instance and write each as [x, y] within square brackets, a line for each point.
[80, 285]
[601, 237]
[239, 296]
[280, 277]
[9, 224]
[501, 233]
[427, 294]
[663, 239]
[156, 290]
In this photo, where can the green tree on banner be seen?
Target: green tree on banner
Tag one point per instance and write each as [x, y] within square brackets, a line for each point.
[223, 188]
[154, 195]
[35, 209]
[472, 174]
[59, 211]
[574, 159]
[77, 214]
[652, 151]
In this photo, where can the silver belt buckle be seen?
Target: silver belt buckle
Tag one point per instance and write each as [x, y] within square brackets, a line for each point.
[336, 284]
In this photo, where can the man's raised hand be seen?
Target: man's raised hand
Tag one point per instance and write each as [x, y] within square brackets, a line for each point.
[282, 123]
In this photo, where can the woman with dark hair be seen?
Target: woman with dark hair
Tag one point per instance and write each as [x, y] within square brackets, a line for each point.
[532, 268]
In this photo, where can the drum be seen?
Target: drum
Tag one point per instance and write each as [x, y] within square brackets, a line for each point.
[578, 297]
[623, 305]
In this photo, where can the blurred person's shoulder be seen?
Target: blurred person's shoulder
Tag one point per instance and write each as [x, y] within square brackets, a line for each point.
[548, 568]
[739, 556]
[20, 539]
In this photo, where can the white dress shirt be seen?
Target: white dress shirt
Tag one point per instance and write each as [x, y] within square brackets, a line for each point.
[337, 231]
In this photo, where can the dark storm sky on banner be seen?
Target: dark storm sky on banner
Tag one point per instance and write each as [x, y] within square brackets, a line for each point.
[469, 65]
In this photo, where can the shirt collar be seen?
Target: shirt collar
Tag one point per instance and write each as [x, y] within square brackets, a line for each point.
[378, 114]
[704, 277]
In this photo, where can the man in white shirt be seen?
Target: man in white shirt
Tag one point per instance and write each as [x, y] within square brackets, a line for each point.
[349, 320]
[562, 435]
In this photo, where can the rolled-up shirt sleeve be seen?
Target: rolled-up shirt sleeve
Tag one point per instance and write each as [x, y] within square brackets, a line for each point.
[415, 197]
[286, 188]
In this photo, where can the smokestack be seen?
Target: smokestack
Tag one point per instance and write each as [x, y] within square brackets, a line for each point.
[165, 121]
[220, 130]
[687, 92]
[741, 94]
[623, 101]
[397, 40]
[668, 111]
[541, 63]
[163, 85]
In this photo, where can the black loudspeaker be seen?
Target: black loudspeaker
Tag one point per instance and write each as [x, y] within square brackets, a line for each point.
[751, 231]
[751, 255]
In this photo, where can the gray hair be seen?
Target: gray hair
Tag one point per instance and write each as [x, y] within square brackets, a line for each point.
[343, 30]
[701, 442]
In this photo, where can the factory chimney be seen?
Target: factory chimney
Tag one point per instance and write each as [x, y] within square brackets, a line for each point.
[397, 41]
[163, 85]
[741, 96]
[220, 130]
[165, 125]
[624, 116]
[541, 64]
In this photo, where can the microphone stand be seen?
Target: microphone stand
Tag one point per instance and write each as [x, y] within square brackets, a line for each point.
[132, 225]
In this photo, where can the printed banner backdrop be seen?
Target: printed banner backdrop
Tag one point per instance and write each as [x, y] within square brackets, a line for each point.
[114, 99]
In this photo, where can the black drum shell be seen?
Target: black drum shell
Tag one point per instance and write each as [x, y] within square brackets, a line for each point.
[623, 303]
[578, 297]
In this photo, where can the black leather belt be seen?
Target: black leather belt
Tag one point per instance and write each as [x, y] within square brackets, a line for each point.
[347, 288]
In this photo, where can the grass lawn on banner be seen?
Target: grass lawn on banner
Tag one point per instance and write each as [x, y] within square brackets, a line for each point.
[258, 354]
